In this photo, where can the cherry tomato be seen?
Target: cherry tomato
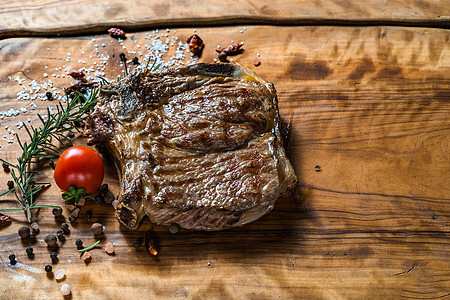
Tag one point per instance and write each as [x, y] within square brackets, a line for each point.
[81, 167]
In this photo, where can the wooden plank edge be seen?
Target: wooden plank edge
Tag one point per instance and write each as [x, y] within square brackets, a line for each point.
[142, 25]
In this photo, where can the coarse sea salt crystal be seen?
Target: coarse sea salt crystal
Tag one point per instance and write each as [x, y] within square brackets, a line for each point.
[109, 248]
[60, 274]
[86, 256]
[65, 289]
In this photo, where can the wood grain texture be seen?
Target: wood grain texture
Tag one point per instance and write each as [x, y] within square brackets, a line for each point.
[38, 17]
[370, 140]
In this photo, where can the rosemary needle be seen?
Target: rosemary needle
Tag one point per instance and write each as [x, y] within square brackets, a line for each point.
[90, 247]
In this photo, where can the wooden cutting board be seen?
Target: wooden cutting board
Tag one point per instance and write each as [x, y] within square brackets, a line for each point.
[370, 110]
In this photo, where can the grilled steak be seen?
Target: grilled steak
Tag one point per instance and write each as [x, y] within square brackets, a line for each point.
[198, 146]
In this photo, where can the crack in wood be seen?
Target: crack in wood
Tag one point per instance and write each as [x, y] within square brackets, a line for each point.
[407, 271]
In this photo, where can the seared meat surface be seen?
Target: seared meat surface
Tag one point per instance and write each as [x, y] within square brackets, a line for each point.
[199, 146]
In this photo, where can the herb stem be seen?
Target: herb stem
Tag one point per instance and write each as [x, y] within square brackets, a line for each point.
[90, 247]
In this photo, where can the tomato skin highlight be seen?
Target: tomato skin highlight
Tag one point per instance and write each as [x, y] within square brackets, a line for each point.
[81, 167]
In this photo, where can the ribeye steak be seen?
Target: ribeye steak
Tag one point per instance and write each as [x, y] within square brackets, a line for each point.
[198, 146]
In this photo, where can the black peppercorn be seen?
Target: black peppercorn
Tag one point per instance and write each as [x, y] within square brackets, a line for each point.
[49, 96]
[32, 236]
[10, 184]
[5, 167]
[223, 57]
[24, 232]
[104, 188]
[60, 235]
[97, 228]
[54, 255]
[79, 243]
[72, 219]
[87, 216]
[12, 259]
[109, 197]
[65, 227]
[29, 251]
[51, 240]
[174, 228]
[48, 268]
[137, 243]
[57, 212]
[135, 60]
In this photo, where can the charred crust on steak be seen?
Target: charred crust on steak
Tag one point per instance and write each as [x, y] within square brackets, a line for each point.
[101, 127]
[199, 146]
[213, 69]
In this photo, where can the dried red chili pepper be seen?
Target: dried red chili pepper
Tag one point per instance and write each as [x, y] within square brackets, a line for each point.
[3, 218]
[233, 49]
[151, 249]
[116, 32]
[195, 44]
[150, 244]
[79, 86]
[76, 74]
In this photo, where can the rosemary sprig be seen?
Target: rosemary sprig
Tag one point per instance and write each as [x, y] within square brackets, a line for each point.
[40, 146]
[152, 67]
[90, 247]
